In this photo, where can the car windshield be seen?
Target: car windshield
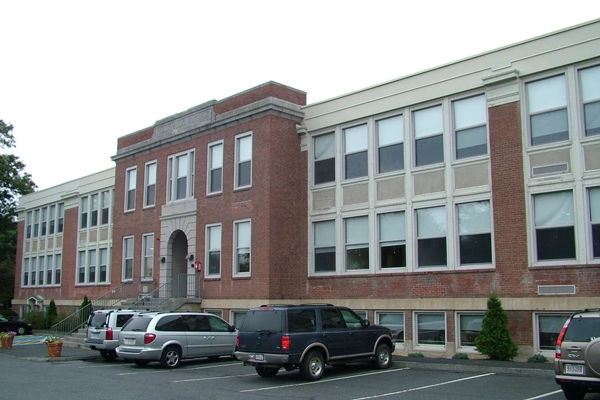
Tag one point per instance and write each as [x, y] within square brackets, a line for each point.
[583, 330]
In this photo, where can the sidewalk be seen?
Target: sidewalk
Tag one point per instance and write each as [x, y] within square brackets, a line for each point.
[38, 352]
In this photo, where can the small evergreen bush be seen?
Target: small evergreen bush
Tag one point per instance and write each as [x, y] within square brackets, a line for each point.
[51, 314]
[494, 340]
[85, 310]
[416, 355]
[460, 356]
[537, 358]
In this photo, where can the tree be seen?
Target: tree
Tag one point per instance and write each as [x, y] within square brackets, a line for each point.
[14, 182]
[51, 314]
[494, 340]
[85, 310]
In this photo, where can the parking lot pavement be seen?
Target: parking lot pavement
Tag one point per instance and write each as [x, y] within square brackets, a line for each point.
[36, 351]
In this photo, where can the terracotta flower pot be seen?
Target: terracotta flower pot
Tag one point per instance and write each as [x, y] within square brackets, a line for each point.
[7, 342]
[54, 349]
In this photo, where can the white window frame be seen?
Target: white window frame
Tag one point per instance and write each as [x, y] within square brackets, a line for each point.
[44, 219]
[173, 175]
[550, 353]
[103, 263]
[150, 170]
[29, 226]
[213, 248]
[356, 237]
[94, 210]
[61, 218]
[428, 346]
[128, 255]
[388, 242]
[147, 256]
[212, 160]
[593, 219]
[325, 157]
[130, 188]
[316, 245]
[399, 342]
[458, 320]
[391, 141]
[92, 266]
[81, 272]
[462, 124]
[36, 223]
[419, 237]
[239, 160]
[460, 233]
[237, 246]
[84, 219]
[52, 219]
[363, 148]
[105, 204]
[57, 269]
[530, 113]
[428, 135]
[534, 226]
[588, 98]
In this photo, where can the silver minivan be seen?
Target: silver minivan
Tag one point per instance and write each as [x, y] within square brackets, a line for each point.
[169, 337]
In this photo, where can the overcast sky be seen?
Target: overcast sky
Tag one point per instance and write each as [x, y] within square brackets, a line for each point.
[76, 75]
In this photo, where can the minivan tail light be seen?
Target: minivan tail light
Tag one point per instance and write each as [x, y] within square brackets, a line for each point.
[109, 334]
[149, 338]
[286, 343]
[561, 337]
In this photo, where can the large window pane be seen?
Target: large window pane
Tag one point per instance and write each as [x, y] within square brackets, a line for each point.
[244, 161]
[474, 228]
[547, 102]
[554, 223]
[394, 321]
[594, 200]
[549, 327]
[357, 243]
[590, 92]
[392, 240]
[431, 236]
[470, 327]
[324, 166]
[324, 243]
[390, 137]
[214, 250]
[431, 329]
[242, 241]
[356, 141]
[470, 126]
[429, 138]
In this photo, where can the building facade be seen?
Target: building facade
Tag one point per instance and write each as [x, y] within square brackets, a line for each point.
[410, 201]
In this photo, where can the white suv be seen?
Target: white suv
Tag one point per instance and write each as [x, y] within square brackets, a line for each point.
[103, 330]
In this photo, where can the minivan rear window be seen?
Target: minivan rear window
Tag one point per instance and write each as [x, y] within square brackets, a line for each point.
[263, 321]
[137, 324]
[583, 329]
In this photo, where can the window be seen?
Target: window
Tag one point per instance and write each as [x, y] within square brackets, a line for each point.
[147, 255]
[356, 146]
[394, 321]
[324, 242]
[81, 267]
[57, 269]
[431, 236]
[51, 219]
[26, 267]
[554, 226]
[131, 177]
[475, 233]
[213, 237]
[41, 269]
[429, 136]
[103, 273]
[61, 217]
[242, 247]
[470, 126]
[181, 176]
[215, 166]
[33, 270]
[590, 93]
[594, 201]
[357, 243]
[84, 212]
[324, 147]
[150, 185]
[49, 268]
[390, 139]
[237, 317]
[94, 210]
[128, 258]
[29, 218]
[431, 329]
[547, 102]
[470, 327]
[92, 266]
[392, 240]
[44, 217]
[549, 327]
[243, 170]
[36, 223]
[105, 200]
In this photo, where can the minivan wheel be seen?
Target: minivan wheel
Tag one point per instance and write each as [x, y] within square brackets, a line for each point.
[170, 357]
[266, 372]
[383, 356]
[573, 394]
[313, 366]
[108, 355]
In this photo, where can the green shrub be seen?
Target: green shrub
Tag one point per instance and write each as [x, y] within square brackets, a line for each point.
[460, 356]
[51, 314]
[37, 319]
[537, 358]
[494, 340]
[85, 310]
[416, 355]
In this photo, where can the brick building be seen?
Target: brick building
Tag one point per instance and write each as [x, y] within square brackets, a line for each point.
[410, 201]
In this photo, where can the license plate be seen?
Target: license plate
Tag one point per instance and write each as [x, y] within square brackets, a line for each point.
[259, 357]
[574, 369]
[129, 341]
[95, 335]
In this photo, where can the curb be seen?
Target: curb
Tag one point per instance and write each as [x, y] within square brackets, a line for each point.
[475, 368]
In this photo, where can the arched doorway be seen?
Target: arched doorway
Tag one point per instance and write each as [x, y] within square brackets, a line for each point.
[179, 264]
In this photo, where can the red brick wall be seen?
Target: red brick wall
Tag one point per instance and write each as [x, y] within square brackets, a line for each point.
[270, 89]
[136, 137]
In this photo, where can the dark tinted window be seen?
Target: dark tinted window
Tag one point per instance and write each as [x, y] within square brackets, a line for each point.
[122, 318]
[332, 319]
[98, 320]
[218, 325]
[263, 321]
[137, 324]
[351, 319]
[171, 323]
[302, 320]
[197, 323]
[583, 329]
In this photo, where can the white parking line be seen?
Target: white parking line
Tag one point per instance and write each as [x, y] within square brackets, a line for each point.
[541, 396]
[212, 378]
[423, 387]
[158, 371]
[322, 380]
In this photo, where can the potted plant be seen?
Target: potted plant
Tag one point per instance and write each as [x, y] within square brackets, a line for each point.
[54, 344]
[7, 339]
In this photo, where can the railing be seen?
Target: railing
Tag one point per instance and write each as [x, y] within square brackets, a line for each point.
[181, 287]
